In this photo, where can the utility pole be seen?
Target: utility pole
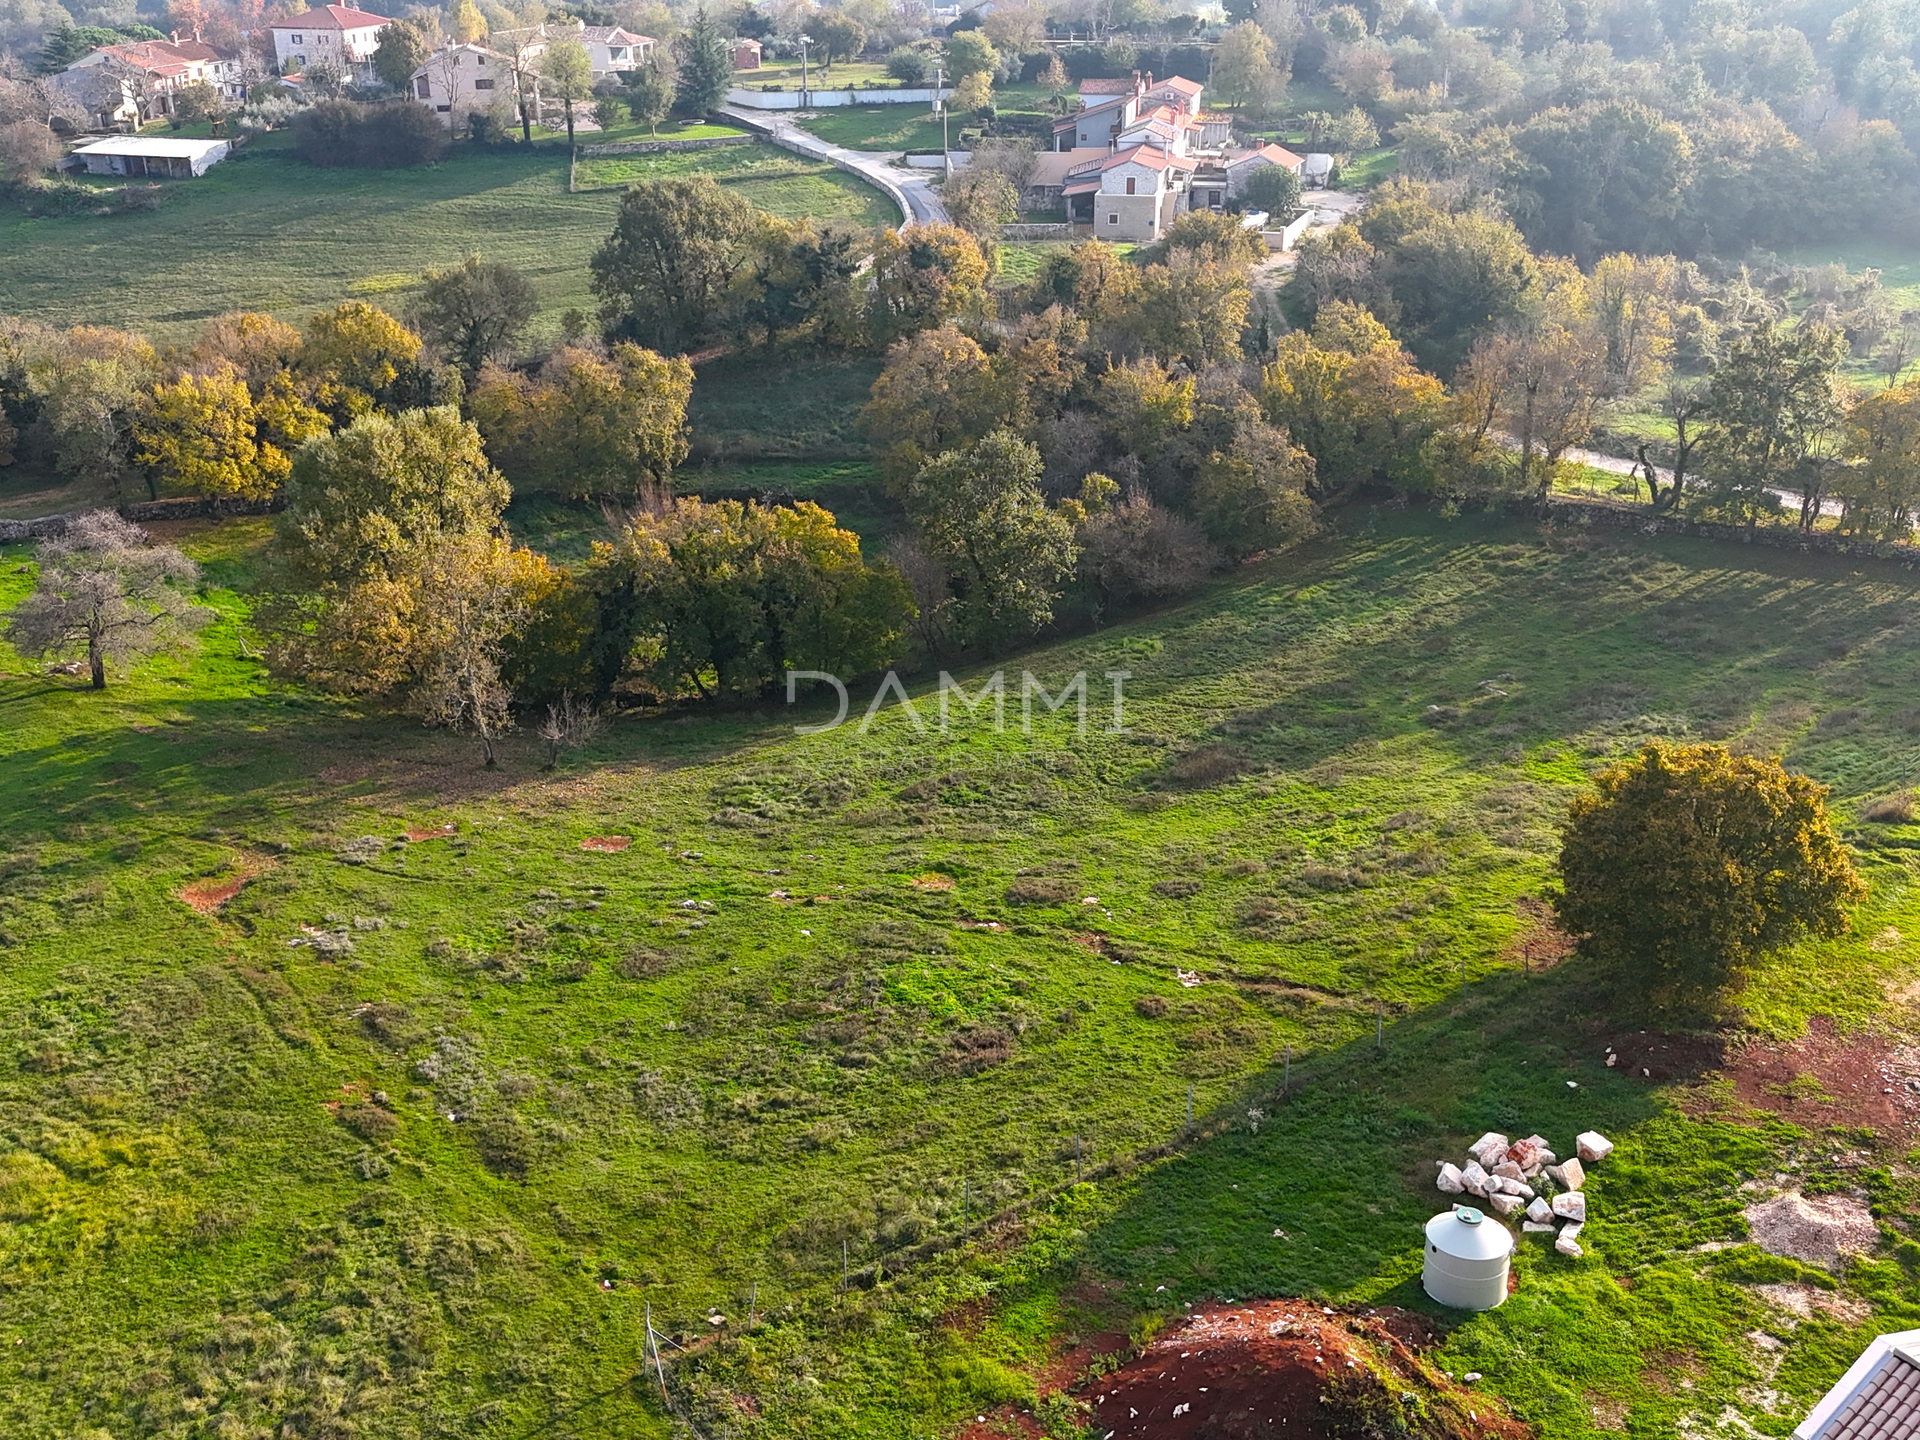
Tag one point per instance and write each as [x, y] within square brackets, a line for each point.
[805, 40]
[940, 104]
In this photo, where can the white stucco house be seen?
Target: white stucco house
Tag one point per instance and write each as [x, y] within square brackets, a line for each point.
[610, 49]
[170, 65]
[334, 34]
[1131, 194]
[1242, 166]
[462, 78]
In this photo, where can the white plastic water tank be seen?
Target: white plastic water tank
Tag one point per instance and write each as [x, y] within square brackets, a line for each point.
[1467, 1259]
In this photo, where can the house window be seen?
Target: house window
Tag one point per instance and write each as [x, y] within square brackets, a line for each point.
[301, 58]
[617, 52]
[483, 84]
[1113, 219]
[1083, 137]
[443, 109]
[422, 88]
[1132, 185]
[299, 39]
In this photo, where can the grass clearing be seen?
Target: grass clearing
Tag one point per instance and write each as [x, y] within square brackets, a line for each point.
[774, 180]
[880, 127]
[264, 231]
[688, 1072]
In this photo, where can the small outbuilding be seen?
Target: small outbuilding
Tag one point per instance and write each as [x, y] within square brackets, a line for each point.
[1316, 170]
[1468, 1257]
[746, 55]
[152, 156]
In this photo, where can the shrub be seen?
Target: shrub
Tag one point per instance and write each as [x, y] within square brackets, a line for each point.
[1207, 766]
[1040, 890]
[1889, 810]
[907, 66]
[1687, 864]
[1151, 1007]
[384, 137]
[1180, 887]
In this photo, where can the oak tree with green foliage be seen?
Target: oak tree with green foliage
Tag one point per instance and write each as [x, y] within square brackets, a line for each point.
[1687, 865]
[675, 248]
[475, 311]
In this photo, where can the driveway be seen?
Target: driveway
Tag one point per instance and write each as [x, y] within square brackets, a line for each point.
[919, 202]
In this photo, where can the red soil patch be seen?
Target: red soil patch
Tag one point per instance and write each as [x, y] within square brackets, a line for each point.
[207, 896]
[1281, 1368]
[1089, 941]
[932, 882]
[607, 844]
[1655, 1056]
[437, 832]
[1830, 1078]
[1541, 944]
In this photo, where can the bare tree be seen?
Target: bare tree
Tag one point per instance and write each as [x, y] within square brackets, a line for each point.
[104, 589]
[1899, 348]
[570, 724]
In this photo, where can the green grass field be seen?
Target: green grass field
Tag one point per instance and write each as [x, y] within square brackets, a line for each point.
[265, 232]
[783, 1021]
[774, 180]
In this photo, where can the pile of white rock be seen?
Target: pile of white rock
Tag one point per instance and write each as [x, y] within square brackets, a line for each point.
[1521, 1177]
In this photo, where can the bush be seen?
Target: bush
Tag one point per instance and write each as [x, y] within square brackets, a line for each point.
[384, 137]
[1688, 864]
[907, 66]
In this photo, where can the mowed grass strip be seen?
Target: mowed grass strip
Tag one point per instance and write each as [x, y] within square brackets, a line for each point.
[693, 1070]
[265, 231]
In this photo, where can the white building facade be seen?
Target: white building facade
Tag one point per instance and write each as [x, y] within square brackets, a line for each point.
[330, 34]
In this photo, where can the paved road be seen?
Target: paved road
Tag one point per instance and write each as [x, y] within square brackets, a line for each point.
[919, 202]
[1614, 465]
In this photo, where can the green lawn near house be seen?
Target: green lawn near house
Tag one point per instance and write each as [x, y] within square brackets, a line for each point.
[880, 127]
[264, 231]
[842, 991]
[771, 179]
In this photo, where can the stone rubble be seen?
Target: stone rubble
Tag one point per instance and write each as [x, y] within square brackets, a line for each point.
[1520, 1179]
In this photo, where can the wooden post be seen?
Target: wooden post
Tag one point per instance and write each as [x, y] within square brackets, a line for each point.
[653, 1347]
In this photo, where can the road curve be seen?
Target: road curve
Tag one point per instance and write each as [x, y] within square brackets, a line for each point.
[917, 200]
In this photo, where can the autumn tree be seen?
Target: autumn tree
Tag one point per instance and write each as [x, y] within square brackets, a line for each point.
[981, 200]
[28, 149]
[475, 311]
[723, 598]
[609, 427]
[477, 590]
[197, 436]
[1687, 865]
[86, 384]
[939, 391]
[1350, 395]
[356, 357]
[664, 273]
[1546, 375]
[106, 593]
[922, 277]
[1215, 236]
[350, 607]
[1001, 552]
[566, 73]
[1881, 485]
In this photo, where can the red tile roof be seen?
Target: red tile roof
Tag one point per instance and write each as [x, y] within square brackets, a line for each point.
[1181, 84]
[1106, 87]
[1273, 153]
[163, 57]
[1886, 1408]
[332, 17]
[1150, 156]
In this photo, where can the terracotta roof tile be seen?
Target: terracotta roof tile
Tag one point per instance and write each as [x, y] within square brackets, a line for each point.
[1886, 1408]
[332, 17]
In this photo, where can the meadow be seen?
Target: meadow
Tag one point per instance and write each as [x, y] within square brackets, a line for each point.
[419, 1109]
[264, 231]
